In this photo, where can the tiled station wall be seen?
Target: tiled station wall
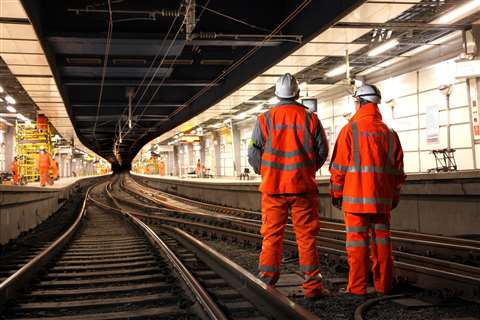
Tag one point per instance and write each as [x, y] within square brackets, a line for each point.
[413, 93]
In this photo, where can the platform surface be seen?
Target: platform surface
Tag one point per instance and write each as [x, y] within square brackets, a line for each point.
[59, 184]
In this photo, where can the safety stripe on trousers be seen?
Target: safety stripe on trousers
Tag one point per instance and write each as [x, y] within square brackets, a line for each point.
[381, 226]
[265, 268]
[357, 243]
[382, 241]
[309, 268]
[317, 278]
[362, 200]
[336, 187]
[356, 228]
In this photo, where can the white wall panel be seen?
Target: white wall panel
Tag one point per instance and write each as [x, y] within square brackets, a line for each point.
[427, 161]
[430, 98]
[460, 115]
[442, 140]
[410, 160]
[409, 140]
[477, 155]
[461, 136]
[406, 106]
[325, 109]
[464, 158]
[410, 123]
[459, 96]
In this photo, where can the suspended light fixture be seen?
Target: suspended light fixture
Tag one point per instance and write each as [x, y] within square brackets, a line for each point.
[10, 100]
[459, 13]
[384, 47]
[338, 71]
[11, 109]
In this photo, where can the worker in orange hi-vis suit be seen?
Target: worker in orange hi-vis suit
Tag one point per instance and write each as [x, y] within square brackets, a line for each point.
[161, 168]
[43, 165]
[15, 171]
[366, 176]
[198, 169]
[54, 165]
[288, 146]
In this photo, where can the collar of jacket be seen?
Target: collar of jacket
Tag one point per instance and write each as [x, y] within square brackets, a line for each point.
[288, 102]
[369, 109]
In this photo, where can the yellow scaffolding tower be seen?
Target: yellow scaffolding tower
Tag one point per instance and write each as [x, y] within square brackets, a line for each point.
[29, 140]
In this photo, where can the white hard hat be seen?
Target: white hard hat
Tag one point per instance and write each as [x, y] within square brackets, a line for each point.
[368, 92]
[287, 86]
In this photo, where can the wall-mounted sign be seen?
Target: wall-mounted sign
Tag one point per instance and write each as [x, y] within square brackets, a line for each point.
[310, 103]
[432, 124]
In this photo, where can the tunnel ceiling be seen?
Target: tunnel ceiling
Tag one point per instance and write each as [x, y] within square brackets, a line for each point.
[171, 59]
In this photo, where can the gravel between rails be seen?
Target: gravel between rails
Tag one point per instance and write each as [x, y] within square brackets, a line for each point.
[342, 307]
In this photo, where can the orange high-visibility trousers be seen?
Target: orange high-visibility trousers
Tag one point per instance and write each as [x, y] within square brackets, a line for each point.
[304, 211]
[44, 175]
[364, 231]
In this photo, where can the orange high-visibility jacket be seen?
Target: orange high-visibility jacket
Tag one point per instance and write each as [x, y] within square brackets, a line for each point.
[367, 164]
[288, 146]
[14, 167]
[43, 161]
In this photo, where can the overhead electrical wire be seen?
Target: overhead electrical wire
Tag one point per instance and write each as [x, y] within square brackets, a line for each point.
[121, 134]
[105, 64]
[234, 66]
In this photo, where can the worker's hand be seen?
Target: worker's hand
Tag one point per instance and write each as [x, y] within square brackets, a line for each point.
[394, 204]
[337, 203]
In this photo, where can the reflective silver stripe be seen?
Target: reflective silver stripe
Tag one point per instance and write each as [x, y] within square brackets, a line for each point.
[307, 143]
[317, 278]
[336, 187]
[355, 200]
[357, 229]
[381, 226]
[286, 154]
[265, 268]
[287, 167]
[357, 243]
[288, 127]
[356, 145]
[364, 169]
[383, 241]
[391, 144]
[306, 268]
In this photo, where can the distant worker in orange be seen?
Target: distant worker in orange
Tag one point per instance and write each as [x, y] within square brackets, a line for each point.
[54, 165]
[366, 176]
[288, 146]
[161, 168]
[14, 167]
[199, 169]
[43, 166]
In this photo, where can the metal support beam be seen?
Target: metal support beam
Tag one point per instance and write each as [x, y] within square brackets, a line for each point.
[136, 82]
[400, 26]
[124, 104]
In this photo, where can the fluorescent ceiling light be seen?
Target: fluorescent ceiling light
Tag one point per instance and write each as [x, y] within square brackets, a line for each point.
[1, 89]
[459, 13]
[241, 116]
[10, 100]
[338, 71]
[11, 109]
[384, 47]
[256, 109]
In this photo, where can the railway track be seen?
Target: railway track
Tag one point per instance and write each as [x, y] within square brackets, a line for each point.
[428, 264]
[111, 265]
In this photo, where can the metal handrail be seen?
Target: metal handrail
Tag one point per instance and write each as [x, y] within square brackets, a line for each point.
[21, 278]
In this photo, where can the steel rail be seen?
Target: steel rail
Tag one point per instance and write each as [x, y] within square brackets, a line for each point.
[21, 278]
[266, 298]
[423, 270]
[410, 239]
[199, 292]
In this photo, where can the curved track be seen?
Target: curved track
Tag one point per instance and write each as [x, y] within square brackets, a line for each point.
[427, 263]
[110, 265]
